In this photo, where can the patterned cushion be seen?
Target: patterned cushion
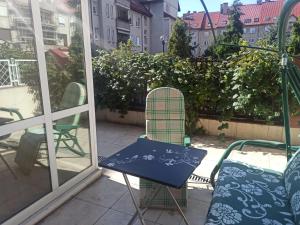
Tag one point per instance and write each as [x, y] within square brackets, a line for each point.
[248, 195]
[170, 131]
[292, 184]
[165, 104]
[165, 122]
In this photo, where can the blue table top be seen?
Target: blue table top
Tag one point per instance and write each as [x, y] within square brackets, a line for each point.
[160, 162]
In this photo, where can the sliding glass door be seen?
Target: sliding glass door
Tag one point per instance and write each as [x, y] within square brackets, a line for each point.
[47, 122]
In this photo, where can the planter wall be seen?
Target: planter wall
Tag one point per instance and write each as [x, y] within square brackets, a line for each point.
[238, 130]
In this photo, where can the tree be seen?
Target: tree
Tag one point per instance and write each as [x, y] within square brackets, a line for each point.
[179, 44]
[272, 35]
[294, 47]
[232, 35]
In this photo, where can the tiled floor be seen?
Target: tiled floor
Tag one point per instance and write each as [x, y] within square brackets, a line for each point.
[107, 201]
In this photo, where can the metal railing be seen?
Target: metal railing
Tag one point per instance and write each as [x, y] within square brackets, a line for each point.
[14, 71]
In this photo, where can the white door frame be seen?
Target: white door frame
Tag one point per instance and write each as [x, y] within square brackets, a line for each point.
[61, 193]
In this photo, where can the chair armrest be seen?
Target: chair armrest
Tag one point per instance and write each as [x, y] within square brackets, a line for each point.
[65, 127]
[187, 141]
[11, 111]
[143, 136]
[242, 144]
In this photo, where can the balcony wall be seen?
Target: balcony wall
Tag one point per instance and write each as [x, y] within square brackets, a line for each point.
[236, 129]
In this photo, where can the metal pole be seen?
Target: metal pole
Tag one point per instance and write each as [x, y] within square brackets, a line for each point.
[285, 101]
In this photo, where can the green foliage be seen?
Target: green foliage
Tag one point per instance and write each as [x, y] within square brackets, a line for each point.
[294, 47]
[254, 77]
[232, 35]
[272, 35]
[119, 77]
[245, 84]
[179, 43]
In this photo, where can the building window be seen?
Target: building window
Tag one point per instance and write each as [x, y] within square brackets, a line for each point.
[145, 40]
[138, 22]
[138, 41]
[256, 20]
[247, 21]
[267, 18]
[145, 32]
[46, 17]
[61, 21]
[145, 21]
[267, 28]
[206, 33]
[95, 7]
[131, 19]
[107, 10]
[3, 11]
[112, 11]
[96, 34]
[205, 42]
[108, 34]
[252, 30]
[113, 35]
[245, 30]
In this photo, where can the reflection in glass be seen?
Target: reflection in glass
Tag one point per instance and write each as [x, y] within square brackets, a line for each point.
[24, 171]
[73, 153]
[20, 95]
[64, 49]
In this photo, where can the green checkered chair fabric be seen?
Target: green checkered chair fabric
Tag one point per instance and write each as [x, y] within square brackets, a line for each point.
[165, 122]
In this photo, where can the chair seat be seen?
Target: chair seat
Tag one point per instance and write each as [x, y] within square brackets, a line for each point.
[249, 195]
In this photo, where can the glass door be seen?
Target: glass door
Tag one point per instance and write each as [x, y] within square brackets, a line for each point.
[47, 121]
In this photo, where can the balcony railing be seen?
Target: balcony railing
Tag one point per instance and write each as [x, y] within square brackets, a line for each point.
[123, 3]
[123, 24]
[12, 71]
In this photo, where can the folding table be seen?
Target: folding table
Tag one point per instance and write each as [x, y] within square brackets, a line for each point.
[166, 164]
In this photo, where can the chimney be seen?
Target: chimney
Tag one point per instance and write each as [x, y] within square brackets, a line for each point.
[259, 2]
[224, 8]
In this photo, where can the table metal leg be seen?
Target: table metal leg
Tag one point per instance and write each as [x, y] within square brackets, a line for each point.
[157, 190]
[177, 205]
[133, 199]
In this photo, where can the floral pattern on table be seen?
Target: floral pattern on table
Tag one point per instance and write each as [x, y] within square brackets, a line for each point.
[166, 157]
[249, 195]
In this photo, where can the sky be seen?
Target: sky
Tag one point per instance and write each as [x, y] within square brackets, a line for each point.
[212, 5]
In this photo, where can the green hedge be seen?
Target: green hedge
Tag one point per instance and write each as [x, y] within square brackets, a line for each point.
[246, 84]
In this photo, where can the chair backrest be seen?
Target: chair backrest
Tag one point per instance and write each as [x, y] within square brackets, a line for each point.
[292, 184]
[165, 115]
[74, 95]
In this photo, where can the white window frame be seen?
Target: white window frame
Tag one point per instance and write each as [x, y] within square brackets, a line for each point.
[61, 193]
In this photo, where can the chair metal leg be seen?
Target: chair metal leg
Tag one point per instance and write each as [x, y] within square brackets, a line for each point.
[133, 199]
[8, 166]
[74, 140]
[178, 207]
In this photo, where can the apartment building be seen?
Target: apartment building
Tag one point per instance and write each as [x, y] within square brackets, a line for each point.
[16, 25]
[145, 22]
[257, 20]
[164, 14]
[140, 26]
[103, 22]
